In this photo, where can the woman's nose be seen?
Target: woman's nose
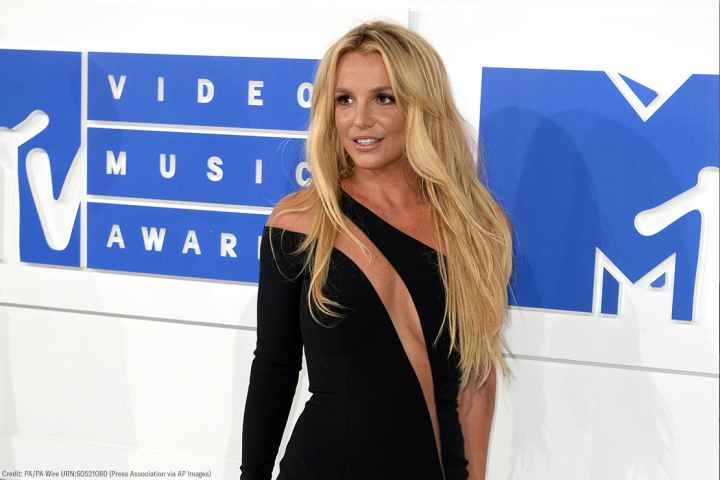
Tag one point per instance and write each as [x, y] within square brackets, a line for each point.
[363, 117]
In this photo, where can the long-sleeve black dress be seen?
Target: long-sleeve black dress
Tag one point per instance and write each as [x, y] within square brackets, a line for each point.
[374, 412]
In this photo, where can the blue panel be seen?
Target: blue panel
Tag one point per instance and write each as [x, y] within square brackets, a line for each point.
[645, 94]
[191, 181]
[169, 260]
[50, 82]
[659, 282]
[573, 163]
[610, 291]
[229, 75]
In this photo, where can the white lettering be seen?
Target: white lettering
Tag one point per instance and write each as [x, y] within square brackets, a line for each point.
[254, 92]
[305, 87]
[299, 178]
[115, 237]
[165, 170]
[258, 171]
[153, 240]
[205, 90]
[160, 89]
[191, 242]
[115, 165]
[115, 87]
[227, 244]
[216, 173]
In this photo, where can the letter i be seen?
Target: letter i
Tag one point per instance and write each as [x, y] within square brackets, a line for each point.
[258, 171]
[160, 89]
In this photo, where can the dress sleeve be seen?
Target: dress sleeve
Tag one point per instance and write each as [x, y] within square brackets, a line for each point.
[277, 356]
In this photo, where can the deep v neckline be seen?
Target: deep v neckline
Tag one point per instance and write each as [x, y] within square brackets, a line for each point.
[347, 200]
[390, 289]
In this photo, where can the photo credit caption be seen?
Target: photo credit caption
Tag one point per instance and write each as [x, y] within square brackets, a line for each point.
[17, 474]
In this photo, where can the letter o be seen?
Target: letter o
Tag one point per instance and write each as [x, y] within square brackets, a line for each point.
[302, 181]
[302, 88]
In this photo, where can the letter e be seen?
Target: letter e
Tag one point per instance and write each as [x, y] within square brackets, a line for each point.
[254, 92]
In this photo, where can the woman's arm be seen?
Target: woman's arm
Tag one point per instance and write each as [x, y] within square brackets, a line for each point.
[475, 410]
[278, 356]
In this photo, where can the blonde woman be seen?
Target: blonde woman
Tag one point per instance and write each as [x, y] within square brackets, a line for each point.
[390, 270]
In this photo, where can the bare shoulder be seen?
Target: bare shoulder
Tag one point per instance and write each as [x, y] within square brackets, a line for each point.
[294, 212]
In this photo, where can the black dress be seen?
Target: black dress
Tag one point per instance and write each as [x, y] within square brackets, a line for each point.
[368, 417]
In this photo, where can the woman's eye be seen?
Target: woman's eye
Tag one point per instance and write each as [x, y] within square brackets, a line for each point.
[385, 99]
[382, 99]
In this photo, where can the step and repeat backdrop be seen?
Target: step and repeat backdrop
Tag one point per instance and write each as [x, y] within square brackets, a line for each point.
[140, 158]
[127, 91]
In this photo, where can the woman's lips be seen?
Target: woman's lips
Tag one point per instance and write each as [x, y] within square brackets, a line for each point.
[365, 146]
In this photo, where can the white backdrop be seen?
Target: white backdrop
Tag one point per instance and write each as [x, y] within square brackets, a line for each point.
[113, 370]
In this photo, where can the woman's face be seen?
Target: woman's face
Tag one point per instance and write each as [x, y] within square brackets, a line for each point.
[368, 121]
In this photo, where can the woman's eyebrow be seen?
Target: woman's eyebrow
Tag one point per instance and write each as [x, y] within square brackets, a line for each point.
[374, 90]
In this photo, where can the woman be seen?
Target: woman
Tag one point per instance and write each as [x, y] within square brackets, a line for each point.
[391, 270]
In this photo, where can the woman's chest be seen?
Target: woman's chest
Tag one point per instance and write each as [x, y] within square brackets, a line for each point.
[407, 304]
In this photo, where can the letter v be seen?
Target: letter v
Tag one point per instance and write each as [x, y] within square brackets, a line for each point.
[57, 217]
[117, 88]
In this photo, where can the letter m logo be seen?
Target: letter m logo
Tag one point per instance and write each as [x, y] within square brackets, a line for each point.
[600, 198]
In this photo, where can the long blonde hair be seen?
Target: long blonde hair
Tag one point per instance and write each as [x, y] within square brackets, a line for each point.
[469, 225]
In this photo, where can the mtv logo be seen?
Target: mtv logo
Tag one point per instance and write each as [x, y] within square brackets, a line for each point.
[40, 121]
[604, 196]
[48, 173]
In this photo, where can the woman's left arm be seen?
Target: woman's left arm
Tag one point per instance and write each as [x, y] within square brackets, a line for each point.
[475, 411]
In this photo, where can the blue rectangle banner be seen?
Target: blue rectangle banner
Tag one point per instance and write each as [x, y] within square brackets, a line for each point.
[231, 169]
[171, 241]
[243, 92]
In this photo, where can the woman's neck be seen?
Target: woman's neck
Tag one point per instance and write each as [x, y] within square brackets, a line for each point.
[390, 188]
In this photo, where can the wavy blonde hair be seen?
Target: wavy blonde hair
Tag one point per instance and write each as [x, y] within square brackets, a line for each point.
[468, 223]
